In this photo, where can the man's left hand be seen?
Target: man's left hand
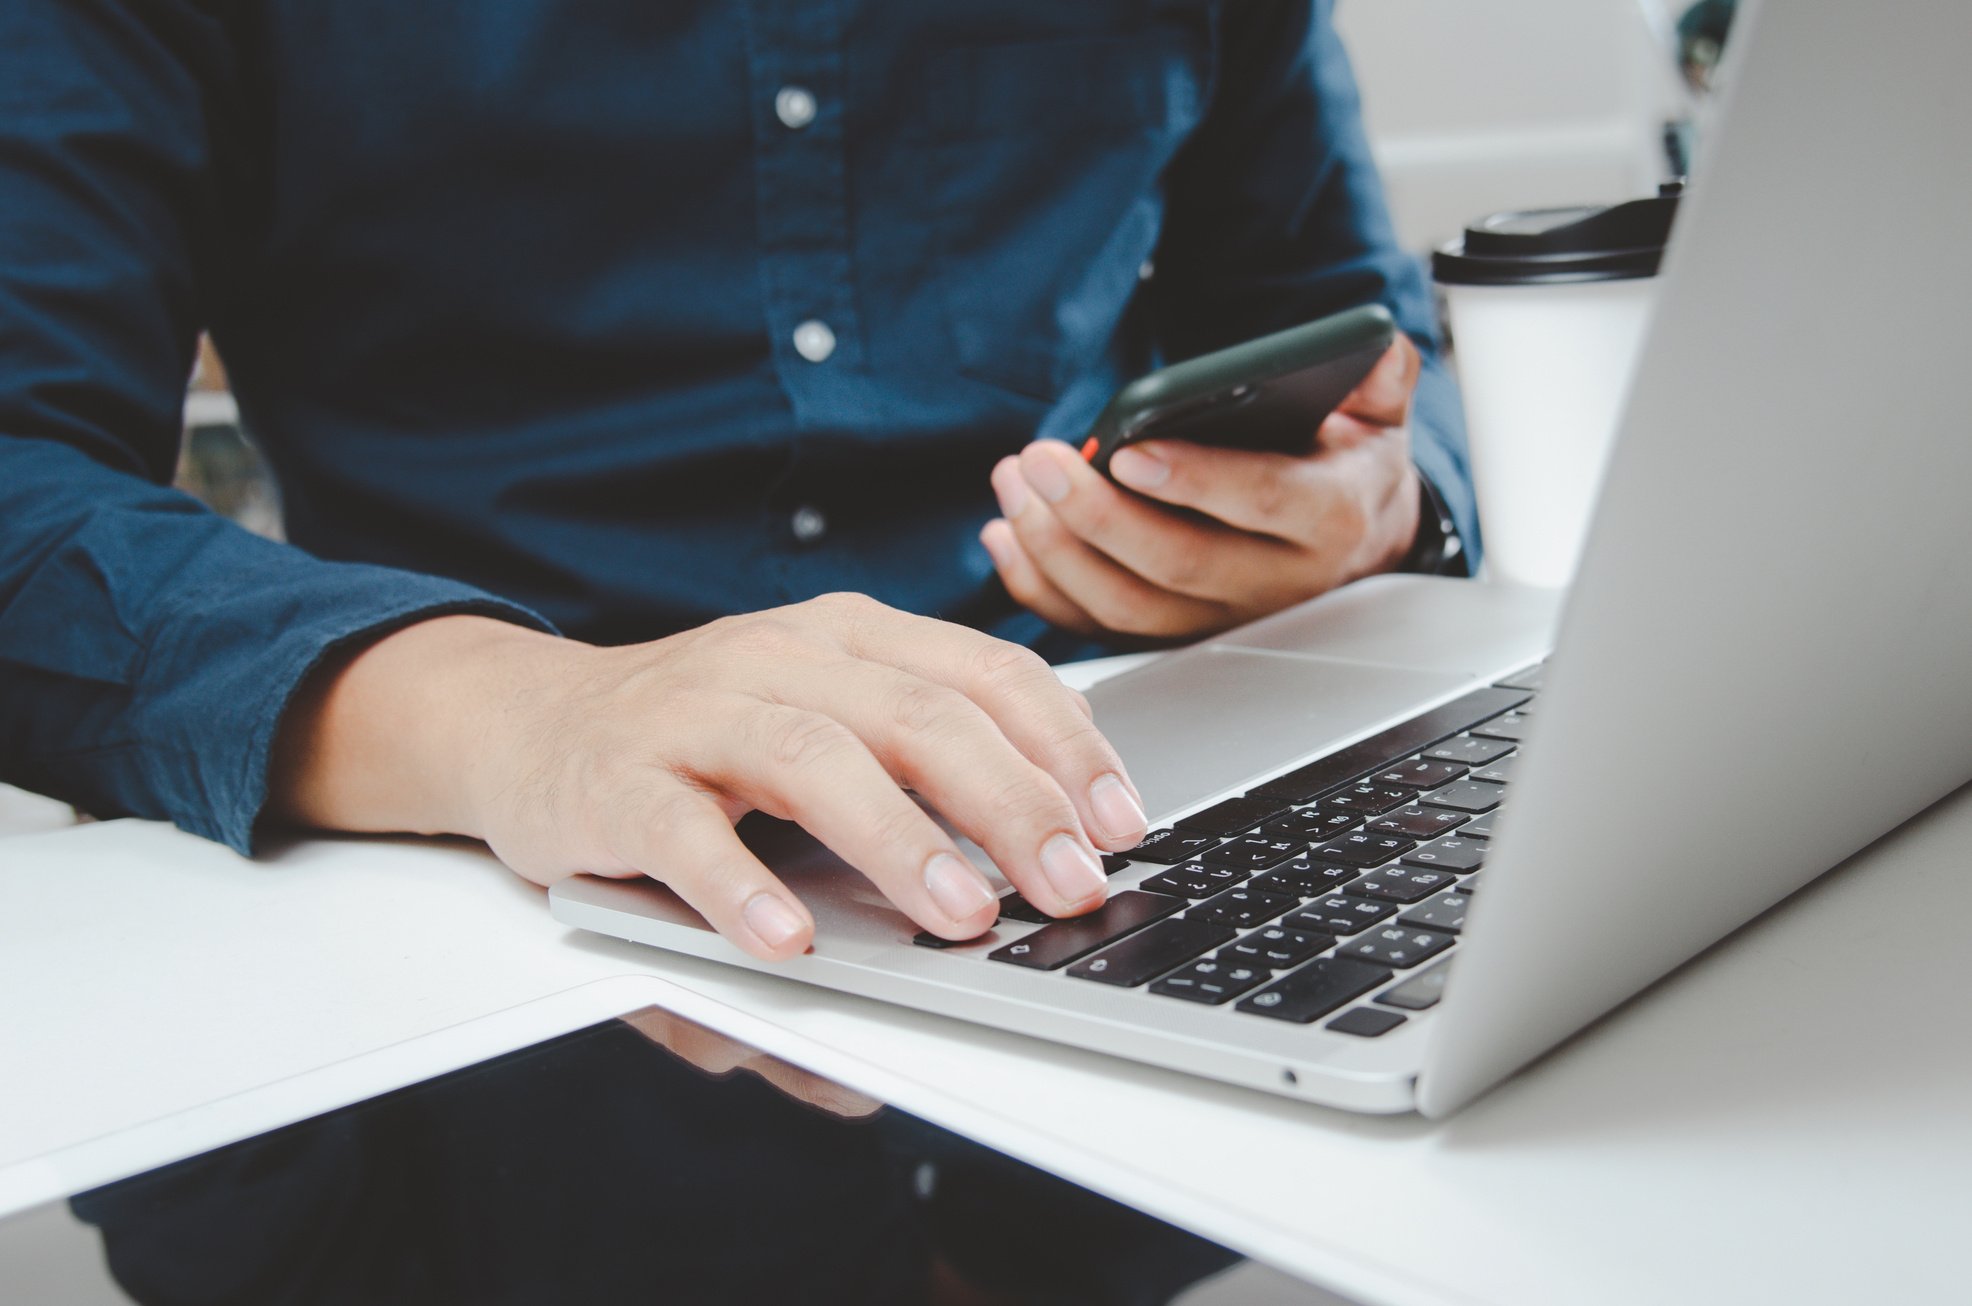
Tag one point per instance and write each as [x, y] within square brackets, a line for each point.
[1204, 538]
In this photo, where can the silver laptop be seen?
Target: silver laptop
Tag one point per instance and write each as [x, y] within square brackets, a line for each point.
[1363, 891]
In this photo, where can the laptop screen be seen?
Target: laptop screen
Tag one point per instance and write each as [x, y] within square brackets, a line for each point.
[645, 1158]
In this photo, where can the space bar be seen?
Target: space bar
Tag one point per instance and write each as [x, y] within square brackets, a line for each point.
[1394, 744]
[1053, 946]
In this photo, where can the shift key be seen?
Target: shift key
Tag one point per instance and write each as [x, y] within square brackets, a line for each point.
[1054, 946]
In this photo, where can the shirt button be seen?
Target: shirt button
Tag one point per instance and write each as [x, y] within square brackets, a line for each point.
[795, 106]
[814, 341]
[808, 524]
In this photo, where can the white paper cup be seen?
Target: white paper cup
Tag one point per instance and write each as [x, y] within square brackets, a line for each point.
[1544, 370]
[1548, 311]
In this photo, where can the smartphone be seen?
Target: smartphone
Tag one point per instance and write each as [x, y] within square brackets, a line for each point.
[1268, 394]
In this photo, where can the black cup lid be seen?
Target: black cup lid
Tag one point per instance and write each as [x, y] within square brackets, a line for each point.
[1545, 246]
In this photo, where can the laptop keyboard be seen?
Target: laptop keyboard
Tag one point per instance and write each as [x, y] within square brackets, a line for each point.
[1338, 887]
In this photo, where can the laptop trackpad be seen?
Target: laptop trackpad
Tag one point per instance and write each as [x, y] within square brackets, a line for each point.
[1200, 721]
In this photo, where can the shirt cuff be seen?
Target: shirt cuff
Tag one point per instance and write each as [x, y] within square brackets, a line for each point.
[215, 699]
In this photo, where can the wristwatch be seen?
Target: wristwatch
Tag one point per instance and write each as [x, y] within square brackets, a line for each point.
[1437, 550]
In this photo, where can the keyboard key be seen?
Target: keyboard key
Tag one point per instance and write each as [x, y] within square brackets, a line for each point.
[1242, 908]
[1365, 1022]
[1233, 816]
[1420, 773]
[1013, 907]
[1479, 828]
[926, 939]
[1470, 886]
[1449, 855]
[1383, 750]
[1169, 847]
[1369, 799]
[1056, 944]
[1276, 948]
[1470, 751]
[1308, 994]
[1147, 954]
[1339, 914]
[1511, 726]
[1111, 863]
[1530, 679]
[1500, 772]
[1305, 878]
[1210, 981]
[1421, 991]
[1396, 945]
[1194, 880]
[1365, 849]
[1402, 884]
[1418, 822]
[1311, 823]
[1254, 853]
[1467, 796]
[1444, 912]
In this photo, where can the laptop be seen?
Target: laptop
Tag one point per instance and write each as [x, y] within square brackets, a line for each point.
[1411, 835]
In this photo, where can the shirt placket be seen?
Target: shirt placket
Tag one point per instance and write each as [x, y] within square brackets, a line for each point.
[795, 69]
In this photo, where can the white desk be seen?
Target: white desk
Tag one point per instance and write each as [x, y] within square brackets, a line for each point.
[1789, 1119]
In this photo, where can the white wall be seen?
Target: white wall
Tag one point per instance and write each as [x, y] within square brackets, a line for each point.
[1480, 105]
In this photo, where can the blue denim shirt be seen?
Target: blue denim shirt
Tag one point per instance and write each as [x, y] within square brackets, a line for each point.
[610, 315]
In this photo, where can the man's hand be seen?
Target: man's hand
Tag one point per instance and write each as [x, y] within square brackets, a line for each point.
[630, 761]
[1211, 537]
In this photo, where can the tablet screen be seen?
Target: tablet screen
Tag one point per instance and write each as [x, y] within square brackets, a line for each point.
[643, 1159]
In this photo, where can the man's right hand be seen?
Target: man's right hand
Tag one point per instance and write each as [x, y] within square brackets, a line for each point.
[568, 758]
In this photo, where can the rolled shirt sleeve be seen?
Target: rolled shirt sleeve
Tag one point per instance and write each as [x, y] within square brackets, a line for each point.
[1277, 216]
[147, 647]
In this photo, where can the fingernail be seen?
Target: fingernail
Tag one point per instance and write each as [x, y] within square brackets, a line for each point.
[1071, 871]
[772, 921]
[1116, 810]
[958, 890]
[1011, 488]
[1045, 475]
[1139, 470]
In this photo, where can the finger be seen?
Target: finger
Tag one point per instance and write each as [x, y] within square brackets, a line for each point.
[940, 742]
[1115, 596]
[808, 767]
[1027, 585]
[1247, 489]
[1047, 721]
[682, 839]
[1308, 501]
[1183, 553]
[1383, 398]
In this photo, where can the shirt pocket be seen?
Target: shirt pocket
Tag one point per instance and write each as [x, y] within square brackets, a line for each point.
[1042, 186]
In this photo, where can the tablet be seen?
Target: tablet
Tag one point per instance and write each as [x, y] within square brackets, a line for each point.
[625, 1141]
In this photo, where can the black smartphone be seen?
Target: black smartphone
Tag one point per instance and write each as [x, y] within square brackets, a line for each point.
[1268, 394]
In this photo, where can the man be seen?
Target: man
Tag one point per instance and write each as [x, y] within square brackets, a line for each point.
[615, 319]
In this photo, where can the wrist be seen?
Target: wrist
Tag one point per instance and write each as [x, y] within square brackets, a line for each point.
[408, 733]
[1402, 524]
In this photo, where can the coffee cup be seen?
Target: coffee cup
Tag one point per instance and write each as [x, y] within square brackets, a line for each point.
[1548, 310]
